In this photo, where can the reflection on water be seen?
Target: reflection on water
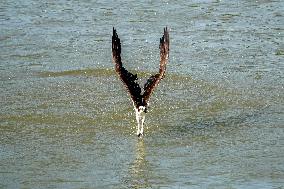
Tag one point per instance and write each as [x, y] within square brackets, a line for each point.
[216, 120]
[139, 169]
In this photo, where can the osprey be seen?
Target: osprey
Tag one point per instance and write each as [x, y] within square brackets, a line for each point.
[140, 100]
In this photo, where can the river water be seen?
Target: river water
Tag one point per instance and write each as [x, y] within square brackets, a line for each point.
[215, 121]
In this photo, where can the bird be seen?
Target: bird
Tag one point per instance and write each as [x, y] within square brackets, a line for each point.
[140, 98]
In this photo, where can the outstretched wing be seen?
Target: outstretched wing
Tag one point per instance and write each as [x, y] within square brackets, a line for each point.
[126, 77]
[154, 80]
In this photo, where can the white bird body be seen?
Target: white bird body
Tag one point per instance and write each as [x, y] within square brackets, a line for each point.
[140, 118]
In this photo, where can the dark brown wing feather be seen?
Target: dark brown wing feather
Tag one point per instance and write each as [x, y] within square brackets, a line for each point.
[154, 80]
[126, 77]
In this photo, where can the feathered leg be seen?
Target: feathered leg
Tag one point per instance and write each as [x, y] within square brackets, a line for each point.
[138, 122]
[142, 125]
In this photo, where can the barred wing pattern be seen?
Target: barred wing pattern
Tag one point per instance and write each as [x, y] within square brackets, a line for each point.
[154, 80]
[130, 79]
[126, 77]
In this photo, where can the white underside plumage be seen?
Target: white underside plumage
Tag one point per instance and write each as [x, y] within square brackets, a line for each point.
[140, 118]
